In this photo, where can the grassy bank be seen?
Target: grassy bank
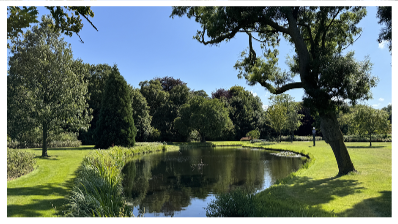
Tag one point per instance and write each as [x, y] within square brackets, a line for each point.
[37, 194]
[44, 191]
[317, 191]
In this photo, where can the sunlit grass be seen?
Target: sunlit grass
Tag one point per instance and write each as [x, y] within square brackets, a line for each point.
[44, 189]
[364, 193]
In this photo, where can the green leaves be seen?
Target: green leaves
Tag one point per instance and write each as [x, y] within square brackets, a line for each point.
[207, 116]
[115, 125]
[46, 85]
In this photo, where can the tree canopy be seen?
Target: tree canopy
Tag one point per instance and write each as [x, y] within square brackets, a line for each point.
[115, 125]
[46, 86]
[319, 36]
[384, 14]
[21, 17]
[207, 116]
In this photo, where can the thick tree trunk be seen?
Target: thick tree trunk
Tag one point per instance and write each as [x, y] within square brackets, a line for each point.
[333, 136]
[44, 146]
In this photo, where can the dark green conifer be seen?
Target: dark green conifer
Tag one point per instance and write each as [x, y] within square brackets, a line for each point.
[115, 125]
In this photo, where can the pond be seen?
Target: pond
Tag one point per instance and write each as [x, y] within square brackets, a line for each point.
[183, 183]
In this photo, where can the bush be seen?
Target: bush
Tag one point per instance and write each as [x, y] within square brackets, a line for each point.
[63, 139]
[19, 163]
[237, 203]
[375, 138]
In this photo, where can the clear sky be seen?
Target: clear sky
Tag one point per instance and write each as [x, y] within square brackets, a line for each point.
[146, 43]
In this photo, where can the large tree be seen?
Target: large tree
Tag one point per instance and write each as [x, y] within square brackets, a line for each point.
[209, 117]
[276, 116]
[96, 78]
[318, 34]
[142, 119]
[115, 125]
[21, 17]
[48, 84]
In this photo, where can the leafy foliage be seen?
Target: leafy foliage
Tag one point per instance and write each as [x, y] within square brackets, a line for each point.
[19, 163]
[370, 121]
[237, 203]
[19, 18]
[115, 125]
[47, 86]
[96, 78]
[206, 116]
[253, 134]
[384, 14]
[142, 119]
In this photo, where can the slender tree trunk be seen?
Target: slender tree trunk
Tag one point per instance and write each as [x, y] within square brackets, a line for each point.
[44, 146]
[333, 136]
[202, 138]
[370, 137]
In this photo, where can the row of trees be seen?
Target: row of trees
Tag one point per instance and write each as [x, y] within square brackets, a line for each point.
[364, 120]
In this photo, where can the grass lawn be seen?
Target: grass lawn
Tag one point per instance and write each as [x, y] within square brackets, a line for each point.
[37, 194]
[365, 193]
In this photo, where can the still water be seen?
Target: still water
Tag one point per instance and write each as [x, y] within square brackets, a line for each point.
[181, 184]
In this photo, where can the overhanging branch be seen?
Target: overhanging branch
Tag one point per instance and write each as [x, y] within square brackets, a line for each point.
[289, 86]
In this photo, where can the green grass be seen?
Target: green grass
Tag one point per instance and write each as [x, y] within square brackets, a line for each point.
[318, 190]
[37, 194]
[312, 191]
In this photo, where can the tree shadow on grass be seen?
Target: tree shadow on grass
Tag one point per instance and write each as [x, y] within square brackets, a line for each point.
[297, 192]
[33, 208]
[377, 207]
[316, 192]
[357, 147]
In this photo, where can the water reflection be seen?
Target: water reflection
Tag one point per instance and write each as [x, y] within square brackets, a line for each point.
[182, 183]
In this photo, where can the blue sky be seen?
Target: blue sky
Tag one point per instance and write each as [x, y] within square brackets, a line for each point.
[146, 43]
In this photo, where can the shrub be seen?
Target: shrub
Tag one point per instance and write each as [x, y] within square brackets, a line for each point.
[19, 163]
[237, 203]
[253, 134]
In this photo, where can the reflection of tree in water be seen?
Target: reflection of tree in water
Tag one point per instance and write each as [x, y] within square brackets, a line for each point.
[165, 183]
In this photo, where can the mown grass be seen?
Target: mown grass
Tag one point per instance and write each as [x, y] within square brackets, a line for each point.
[317, 191]
[42, 192]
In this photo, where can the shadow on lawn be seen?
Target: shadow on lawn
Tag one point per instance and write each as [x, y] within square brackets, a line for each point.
[36, 205]
[306, 191]
[377, 207]
[356, 147]
[84, 147]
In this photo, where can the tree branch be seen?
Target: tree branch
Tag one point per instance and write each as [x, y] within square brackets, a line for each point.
[220, 38]
[289, 86]
[88, 20]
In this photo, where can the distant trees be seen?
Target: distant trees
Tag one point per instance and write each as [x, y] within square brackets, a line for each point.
[165, 96]
[283, 114]
[208, 117]
[45, 86]
[115, 125]
[253, 134]
[141, 117]
[370, 121]
[245, 109]
[96, 78]
[276, 116]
